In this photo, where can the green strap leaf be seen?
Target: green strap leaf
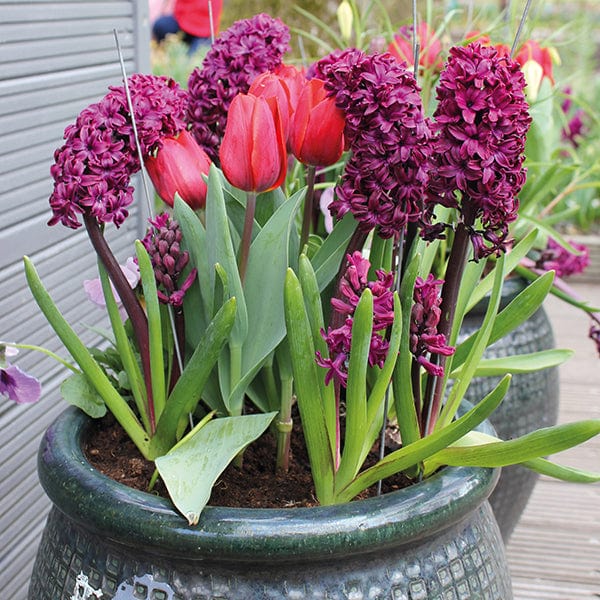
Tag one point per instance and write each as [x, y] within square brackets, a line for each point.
[306, 377]
[409, 456]
[516, 313]
[157, 364]
[519, 363]
[125, 350]
[356, 392]
[114, 401]
[480, 450]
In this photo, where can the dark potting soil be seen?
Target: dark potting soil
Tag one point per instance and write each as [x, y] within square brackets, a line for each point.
[255, 485]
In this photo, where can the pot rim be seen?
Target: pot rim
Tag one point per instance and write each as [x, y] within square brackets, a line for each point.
[139, 519]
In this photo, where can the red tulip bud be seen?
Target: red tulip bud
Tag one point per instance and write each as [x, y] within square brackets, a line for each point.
[430, 46]
[317, 130]
[252, 153]
[270, 85]
[178, 167]
[531, 50]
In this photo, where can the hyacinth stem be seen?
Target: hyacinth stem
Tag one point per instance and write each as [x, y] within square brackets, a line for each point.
[130, 302]
[247, 234]
[308, 205]
[456, 266]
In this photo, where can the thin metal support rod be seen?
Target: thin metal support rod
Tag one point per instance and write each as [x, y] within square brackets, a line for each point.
[520, 28]
[134, 125]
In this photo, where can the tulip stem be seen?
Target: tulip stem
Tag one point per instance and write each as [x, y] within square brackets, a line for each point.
[308, 205]
[247, 234]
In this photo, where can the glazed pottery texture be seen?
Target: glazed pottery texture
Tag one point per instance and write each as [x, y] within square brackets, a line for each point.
[435, 540]
[531, 402]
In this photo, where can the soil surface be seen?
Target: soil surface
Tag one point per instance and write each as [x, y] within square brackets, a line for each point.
[255, 485]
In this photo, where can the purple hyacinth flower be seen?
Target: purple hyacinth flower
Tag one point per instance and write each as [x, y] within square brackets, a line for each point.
[93, 168]
[481, 122]
[563, 262]
[248, 48]
[163, 243]
[425, 316]
[385, 178]
[339, 340]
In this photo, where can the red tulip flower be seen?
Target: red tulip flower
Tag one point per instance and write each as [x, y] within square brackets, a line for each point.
[253, 155]
[294, 79]
[317, 130]
[270, 85]
[430, 47]
[178, 167]
[531, 50]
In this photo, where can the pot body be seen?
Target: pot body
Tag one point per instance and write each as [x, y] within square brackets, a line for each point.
[436, 539]
[531, 403]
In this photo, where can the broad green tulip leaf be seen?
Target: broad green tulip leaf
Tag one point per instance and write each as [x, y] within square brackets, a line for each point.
[199, 295]
[191, 468]
[480, 450]
[189, 387]
[410, 456]
[513, 315]
[267, 264]
[78, 391]
[220, 249]
[306, 380]
[328, 258]
[519, 363]
[157, 365]
[117, 405]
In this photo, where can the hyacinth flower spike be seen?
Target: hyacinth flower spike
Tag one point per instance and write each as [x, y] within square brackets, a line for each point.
[481, 123]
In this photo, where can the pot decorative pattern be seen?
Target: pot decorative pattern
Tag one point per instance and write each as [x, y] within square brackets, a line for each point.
[531, 403]
[435, 540]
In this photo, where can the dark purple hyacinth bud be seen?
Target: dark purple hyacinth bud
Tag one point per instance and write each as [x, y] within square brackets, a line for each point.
[385, 178]
[247, 49]
[481, 123]
[425, 316]
[563, 262]
[93, 168]
[339, 340]
[163, 243]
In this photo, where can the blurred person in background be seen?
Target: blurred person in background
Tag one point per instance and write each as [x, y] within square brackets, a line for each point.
[198, 20]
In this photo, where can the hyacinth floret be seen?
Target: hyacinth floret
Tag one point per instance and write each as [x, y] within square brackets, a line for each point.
[163, 243]
[339, 339]
[481, 122]
[93, 168]
[559, 259]
[386, 176]
[425, 317]
[241, 53]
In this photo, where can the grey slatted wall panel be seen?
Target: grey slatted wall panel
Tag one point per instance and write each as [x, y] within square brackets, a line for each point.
[55, 58]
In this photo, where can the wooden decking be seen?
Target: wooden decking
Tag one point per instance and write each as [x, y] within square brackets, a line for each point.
[554, 553]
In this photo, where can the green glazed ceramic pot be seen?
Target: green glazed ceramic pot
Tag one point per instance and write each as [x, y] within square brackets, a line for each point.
[531, 403]
[435, 540]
